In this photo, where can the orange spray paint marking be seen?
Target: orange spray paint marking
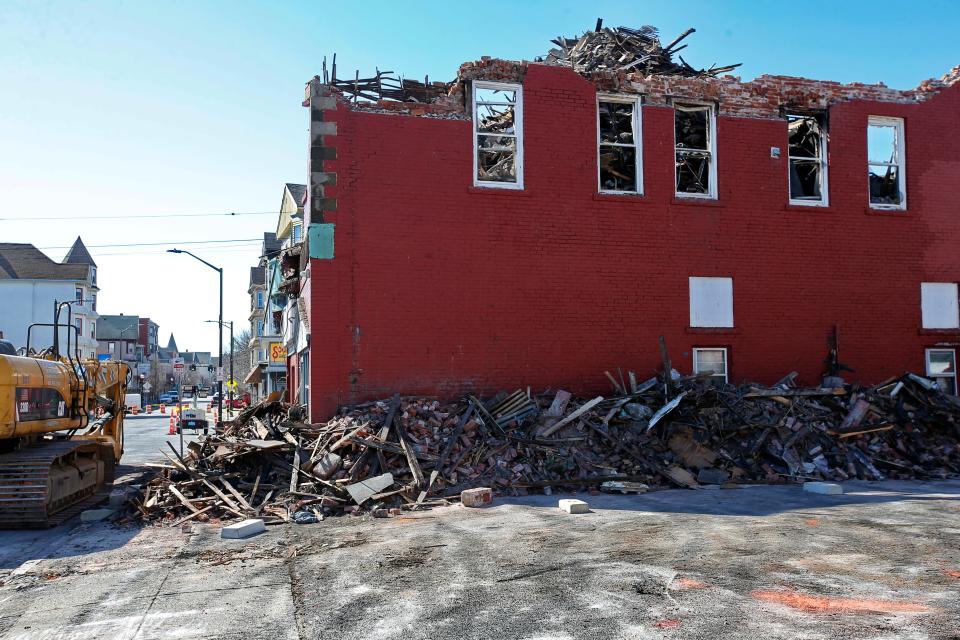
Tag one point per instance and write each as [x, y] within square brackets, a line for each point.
[668, 624]
[821, 604]
[813, 522]
[687, 583]
[953, 574]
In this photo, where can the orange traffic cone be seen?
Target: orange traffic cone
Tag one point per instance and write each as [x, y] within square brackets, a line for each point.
[172, 429]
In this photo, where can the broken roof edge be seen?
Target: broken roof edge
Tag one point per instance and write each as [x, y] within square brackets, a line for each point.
[762, 97]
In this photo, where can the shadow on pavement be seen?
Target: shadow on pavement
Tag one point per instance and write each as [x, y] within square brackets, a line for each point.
[753, 500]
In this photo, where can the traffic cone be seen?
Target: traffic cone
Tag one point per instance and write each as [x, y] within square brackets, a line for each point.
[172, 429]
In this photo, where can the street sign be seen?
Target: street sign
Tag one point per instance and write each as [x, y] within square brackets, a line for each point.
[178, 363]
[231, 384]
[147, 386]
[219, 374]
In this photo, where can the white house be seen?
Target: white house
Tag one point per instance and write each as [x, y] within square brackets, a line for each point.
[30, 286]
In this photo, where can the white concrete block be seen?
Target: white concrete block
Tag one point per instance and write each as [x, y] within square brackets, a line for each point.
[118, 497]
[826, 488]
[95, 515]
[574, 506]
[243, 529]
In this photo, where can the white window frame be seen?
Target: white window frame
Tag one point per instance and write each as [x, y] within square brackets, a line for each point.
[930, 296]
[517, 133]
[711, 147]
[637, 102]
[696, 310]
[953, 375]
[824, 200]
[726, 361]
[296, 233]
[901, 163]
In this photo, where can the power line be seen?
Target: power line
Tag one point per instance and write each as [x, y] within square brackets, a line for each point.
[149, 215]
[160, 244]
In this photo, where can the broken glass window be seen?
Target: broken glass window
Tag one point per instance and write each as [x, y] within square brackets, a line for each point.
[497, 128]
[496, 158]
[618, 147]
[885, 161]
[805, 142]
[693, 131]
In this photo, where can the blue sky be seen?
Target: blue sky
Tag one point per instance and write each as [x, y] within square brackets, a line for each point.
[136, 108]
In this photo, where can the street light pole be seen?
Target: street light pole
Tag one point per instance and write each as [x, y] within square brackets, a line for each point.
[230, 407]
[219, 270]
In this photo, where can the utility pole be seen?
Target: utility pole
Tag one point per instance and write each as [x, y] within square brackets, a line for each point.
[230, 392]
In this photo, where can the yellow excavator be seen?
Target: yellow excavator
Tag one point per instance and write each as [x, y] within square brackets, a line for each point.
[61, 428]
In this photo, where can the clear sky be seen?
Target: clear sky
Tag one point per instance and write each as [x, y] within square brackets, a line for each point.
[140, 108]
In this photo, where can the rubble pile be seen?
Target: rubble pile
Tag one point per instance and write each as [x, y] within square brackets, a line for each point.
[626, 50]
[413, 452]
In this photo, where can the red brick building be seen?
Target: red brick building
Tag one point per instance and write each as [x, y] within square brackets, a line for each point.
[535, 227]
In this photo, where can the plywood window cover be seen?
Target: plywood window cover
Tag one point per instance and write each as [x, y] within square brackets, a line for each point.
[900, 164]
[939, 305]
[637, 145]
[711, 150]
[517, 133]
[726, 366]
[824, 200]
[701, 290]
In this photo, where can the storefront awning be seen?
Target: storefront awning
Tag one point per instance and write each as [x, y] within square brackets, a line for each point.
[254, 376]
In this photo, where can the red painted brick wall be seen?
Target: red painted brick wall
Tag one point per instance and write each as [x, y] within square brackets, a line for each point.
[438, 287]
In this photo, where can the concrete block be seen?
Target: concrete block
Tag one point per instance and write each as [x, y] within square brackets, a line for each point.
[479, 497]
[243, 529]
[826, 488]
[118, 497]
[571, 505]
[95, 515]
[361, 491]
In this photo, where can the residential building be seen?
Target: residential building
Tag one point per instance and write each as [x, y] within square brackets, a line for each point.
[148, 336]
[31, 284]
[283, 289]
[526, 225]
[268, 370]
[119, 338]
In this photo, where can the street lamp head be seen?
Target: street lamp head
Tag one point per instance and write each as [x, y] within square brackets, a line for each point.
[174, 251]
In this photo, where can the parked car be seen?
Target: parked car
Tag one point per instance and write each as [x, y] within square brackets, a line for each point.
[170, 397]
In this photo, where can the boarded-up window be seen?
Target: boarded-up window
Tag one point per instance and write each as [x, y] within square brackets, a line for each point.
[497, 128]
[619, 153]
[711, 302]
[939, 305]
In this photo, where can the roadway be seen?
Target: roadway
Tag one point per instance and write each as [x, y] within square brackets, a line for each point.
[145, 435]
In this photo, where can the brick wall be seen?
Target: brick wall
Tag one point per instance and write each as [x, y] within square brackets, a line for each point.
[440, 287]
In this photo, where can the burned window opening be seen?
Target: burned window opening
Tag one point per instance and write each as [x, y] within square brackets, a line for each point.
[618, 156]
[497, 140]
[885, 163]
[694, 132]
[806, 144]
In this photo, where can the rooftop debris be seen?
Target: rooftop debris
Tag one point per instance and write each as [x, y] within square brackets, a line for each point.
[385, 85]
[627, 50]
[414, 452]
[616, 50]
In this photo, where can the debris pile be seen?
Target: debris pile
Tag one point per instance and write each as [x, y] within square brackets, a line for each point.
[626, 50]
[412, 452]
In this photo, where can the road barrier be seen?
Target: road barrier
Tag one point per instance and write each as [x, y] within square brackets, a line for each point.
[173, 429]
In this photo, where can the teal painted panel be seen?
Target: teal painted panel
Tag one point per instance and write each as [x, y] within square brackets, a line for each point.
[320, 237]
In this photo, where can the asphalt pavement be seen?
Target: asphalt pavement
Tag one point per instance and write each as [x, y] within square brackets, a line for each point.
[145, 435]
[758, 563]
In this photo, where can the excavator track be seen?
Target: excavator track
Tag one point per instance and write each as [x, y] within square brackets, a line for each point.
[45, 484]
